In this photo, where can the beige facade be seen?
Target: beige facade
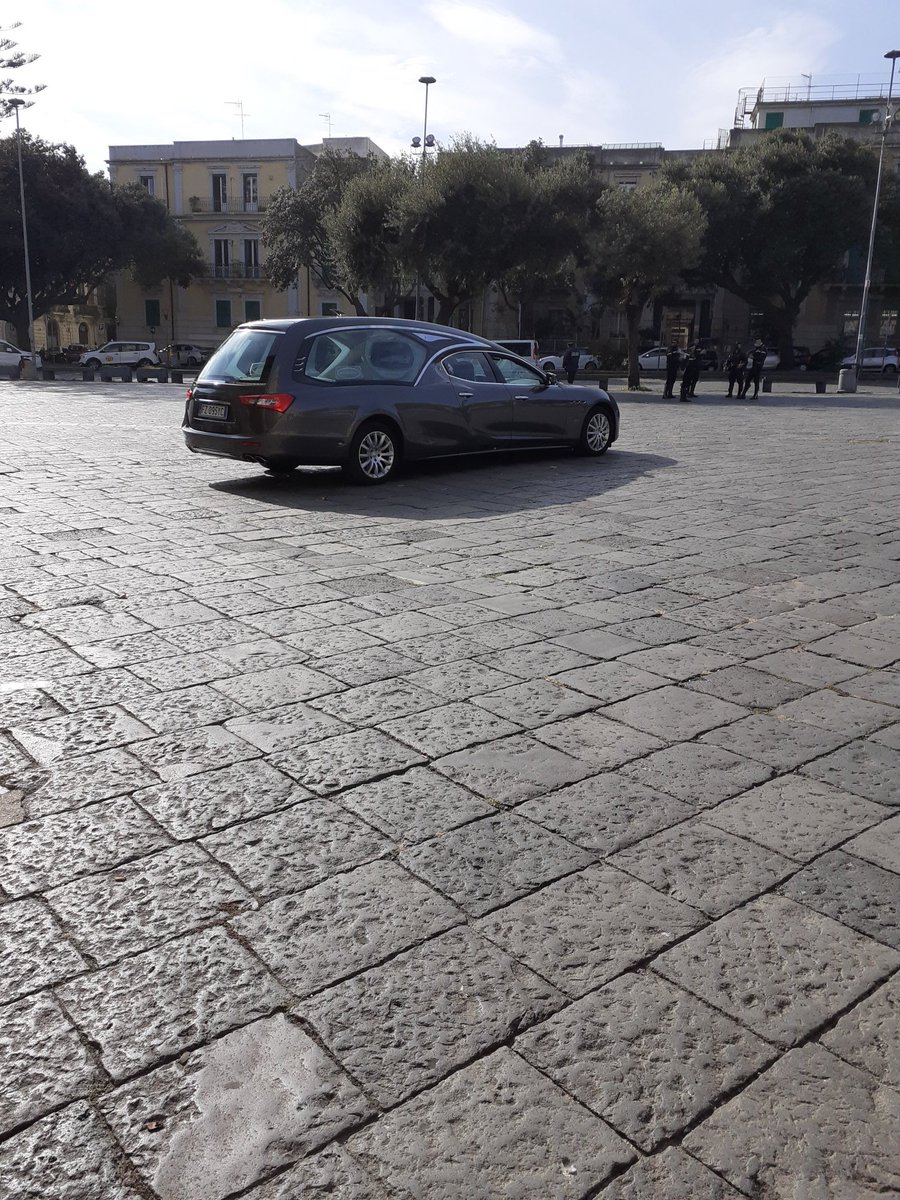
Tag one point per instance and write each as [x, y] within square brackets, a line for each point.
[219, 191]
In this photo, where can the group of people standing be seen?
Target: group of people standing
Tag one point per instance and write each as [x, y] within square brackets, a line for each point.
[744, 370]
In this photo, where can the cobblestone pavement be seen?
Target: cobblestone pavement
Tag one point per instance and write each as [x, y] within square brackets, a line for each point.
[518, 830]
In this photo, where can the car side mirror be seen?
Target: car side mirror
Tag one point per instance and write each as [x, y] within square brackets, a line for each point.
[552, 377]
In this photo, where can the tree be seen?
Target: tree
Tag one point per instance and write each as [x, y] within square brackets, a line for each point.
[479, 214]
[10, 60]
[296, 231]
[80, 228]
[364, 230]
[782, 214]
[646, 239]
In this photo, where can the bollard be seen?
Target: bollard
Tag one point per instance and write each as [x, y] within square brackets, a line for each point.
[767, 384]
[847, 380]
[820, 387]
[177, 376]
[87, 375]
[48, 373]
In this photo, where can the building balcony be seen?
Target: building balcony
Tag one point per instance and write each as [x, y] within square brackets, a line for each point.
[234, 271]
[203, 206]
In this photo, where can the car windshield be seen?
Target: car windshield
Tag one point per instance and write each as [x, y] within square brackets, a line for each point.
[245, 357]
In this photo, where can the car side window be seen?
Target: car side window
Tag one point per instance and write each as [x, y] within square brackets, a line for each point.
[470, 366]
[514, 371]
[356, 355]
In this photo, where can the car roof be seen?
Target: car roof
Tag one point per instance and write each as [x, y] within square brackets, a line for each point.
[311, 325]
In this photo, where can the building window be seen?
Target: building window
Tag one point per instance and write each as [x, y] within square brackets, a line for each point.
[867, 115]
[252, 310]
[148, 182]
[220, 193]
[223, 314]
[251, 192]
[850, 327]
[626, 185]
[888, 325]
[774, 120]
[222, 257]
[330, 308]
[151, 314]
[251, 258]
[83, 334]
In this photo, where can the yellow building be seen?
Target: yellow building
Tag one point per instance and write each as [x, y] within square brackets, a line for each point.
[219, 190]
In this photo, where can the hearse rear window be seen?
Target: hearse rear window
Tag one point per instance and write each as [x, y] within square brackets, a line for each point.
[244, 357]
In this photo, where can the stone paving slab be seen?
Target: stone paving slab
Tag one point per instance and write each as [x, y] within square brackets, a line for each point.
[320, 807]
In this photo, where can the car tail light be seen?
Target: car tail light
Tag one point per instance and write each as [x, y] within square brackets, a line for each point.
[190, 393]
[276, 401]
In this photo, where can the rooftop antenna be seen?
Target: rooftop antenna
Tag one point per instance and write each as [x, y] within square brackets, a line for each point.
[239, 105]
[808, 79]
[327, 117]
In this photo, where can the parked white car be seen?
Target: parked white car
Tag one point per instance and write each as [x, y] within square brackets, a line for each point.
[12, 358]
[553, 362]
[876, 358]
[121, 354]
[655, 359]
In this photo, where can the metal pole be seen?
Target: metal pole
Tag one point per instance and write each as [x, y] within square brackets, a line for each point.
[893, 55]
[29, 371]
[428, 80]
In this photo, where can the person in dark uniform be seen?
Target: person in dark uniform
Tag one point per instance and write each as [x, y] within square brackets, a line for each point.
[570, 361]
[673, 362]
[735, 365]
[754, 369]
[691, 374]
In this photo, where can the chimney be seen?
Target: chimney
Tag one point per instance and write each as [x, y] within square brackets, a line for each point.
[560, 141]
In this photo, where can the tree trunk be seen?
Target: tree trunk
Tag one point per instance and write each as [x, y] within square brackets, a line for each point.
[633, 319]
[783, 321]
[447, 306]
[23, 341]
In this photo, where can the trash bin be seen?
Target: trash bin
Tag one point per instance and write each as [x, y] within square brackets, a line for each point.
[847, 380]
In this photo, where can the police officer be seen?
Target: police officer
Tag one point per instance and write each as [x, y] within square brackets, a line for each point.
[735, 364]
[673, 362]
[757, 360]
[570, 362]
[691, 373]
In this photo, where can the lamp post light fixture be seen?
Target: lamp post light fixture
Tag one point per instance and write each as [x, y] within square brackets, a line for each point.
[427, 140]
[28, 370]
[887, 120]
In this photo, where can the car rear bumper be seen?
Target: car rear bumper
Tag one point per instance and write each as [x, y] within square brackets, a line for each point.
[261, 449]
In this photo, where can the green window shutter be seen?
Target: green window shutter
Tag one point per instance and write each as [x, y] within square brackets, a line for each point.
[252, 310]
[774, 120]
[866, 115]
[223, 314]
[151, 314]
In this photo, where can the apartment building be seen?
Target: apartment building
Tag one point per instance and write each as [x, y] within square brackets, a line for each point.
[219, 190]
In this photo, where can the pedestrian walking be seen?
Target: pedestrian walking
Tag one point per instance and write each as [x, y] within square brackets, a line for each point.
[735, 364]
[570, 361]
[691, 373]
[673, 362]
[754, 369]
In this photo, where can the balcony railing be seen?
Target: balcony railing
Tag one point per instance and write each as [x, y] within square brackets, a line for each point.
[203, 205]
[235, 270]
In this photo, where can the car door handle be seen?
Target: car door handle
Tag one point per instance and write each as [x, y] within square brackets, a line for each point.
[525, 397]
[465, 395]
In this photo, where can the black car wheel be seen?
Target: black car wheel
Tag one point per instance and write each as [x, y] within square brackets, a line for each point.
[596, 434]
[93, 364]
[375, 453]
[890, 369]
[145, 362]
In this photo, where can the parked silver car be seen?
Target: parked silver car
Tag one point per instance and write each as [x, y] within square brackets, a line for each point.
[365, 393]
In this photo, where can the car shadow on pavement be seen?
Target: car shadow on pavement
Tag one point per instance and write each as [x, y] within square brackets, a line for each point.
[454, 487]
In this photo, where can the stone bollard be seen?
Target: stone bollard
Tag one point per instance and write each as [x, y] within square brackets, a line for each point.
[847, 380]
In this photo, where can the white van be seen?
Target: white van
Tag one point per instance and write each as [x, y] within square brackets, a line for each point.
[524, 347]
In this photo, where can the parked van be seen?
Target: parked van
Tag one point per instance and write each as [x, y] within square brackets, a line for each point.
[524, 347]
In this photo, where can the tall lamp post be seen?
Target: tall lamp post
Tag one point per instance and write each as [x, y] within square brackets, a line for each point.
[28, 370]
[428, 80]
[893, 55]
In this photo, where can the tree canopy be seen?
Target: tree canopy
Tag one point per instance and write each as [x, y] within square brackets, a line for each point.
[11, 59]
[781, 215]
[80, 228]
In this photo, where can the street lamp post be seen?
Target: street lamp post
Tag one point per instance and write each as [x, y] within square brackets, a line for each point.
[428, 80]
[893, 55]
[28, 370]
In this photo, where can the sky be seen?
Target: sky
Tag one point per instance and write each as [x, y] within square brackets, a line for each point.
[591, 71]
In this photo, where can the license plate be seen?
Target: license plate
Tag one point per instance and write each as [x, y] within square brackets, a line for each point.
[212, 412]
